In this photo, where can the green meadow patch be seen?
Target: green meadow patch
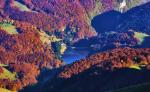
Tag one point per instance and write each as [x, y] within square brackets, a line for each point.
[7, 74]
[136, 67]
[21, 6]
[6, 90]
[45, 38]
[3, 65]
[9, 28]
[140, 36]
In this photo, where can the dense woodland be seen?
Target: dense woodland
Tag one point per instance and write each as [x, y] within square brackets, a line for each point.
[37, 25]
[104, 71]
[109, 60]
[25, 54]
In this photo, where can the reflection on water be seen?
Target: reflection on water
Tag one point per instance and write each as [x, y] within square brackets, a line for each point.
[72, 55]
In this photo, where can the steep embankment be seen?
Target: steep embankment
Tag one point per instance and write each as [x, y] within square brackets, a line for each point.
[104, 71]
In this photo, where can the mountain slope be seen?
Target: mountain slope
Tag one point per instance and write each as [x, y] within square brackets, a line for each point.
[104, 71]
[34, 33]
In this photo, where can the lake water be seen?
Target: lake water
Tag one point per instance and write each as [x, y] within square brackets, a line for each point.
[72, 55]
[105, 22]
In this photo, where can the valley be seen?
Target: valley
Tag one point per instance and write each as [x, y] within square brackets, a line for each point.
[74, 45]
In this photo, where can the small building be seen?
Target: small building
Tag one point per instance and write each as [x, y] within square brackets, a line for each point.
[123, 6]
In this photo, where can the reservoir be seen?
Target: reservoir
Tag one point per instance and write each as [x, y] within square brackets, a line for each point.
[72, 55]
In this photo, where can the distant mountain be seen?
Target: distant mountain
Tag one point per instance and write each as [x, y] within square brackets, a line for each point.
[134, 19]
[116, 29]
